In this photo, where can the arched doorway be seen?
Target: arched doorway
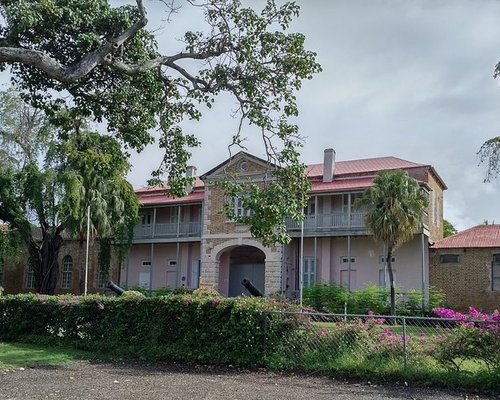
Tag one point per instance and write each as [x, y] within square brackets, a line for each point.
[246, 262]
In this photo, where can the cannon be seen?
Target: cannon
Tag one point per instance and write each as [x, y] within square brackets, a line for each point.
[251, 288]
[115, 288]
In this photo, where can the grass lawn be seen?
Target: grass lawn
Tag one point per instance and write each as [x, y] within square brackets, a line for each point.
[16, 355]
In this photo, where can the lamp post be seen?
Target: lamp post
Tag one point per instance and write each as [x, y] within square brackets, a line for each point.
[301, 262]
[87, 252]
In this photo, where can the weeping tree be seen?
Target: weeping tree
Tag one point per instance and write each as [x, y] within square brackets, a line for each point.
[48, 181]
[395, 205]
[85, 58]
[40, 204]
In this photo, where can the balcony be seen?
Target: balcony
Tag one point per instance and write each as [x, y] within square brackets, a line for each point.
[333, 222]
[336, 223]
[167, 230]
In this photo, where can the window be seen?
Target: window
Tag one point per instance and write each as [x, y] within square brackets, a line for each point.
[30, 277]
[345, 260]
[449, 258]
[309, 272]
[67, 272]
[310, 209]
[382, 259]
[239, 209]
[147, 218]
[145, 263]
[495, 272]
[383, 277]
[102, 278]
[172, 263]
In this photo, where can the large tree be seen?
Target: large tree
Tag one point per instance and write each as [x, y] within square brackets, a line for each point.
[395, 206]
[85, 58]
[43, 197]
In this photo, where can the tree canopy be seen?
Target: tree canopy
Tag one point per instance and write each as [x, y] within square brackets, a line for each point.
[448, 228]
[86, 59]
[395, 205]
[42, 197]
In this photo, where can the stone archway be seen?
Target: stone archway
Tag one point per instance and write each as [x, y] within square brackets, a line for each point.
[216, 261]
[244, 262]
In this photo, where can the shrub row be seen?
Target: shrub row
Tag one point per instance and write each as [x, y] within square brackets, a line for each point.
[334, 298]
[196, 329]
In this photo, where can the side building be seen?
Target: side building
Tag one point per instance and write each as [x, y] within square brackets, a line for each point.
[466, 267]
[180, 241]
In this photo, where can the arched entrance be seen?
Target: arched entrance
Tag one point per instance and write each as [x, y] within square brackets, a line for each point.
[245, 262]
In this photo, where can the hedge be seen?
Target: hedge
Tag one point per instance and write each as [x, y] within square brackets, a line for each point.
[207, 330]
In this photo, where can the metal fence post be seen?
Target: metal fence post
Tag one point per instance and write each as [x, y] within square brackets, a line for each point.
[405, 353]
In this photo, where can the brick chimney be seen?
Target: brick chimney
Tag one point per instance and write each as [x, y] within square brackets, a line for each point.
[328, 165]
[190, 173]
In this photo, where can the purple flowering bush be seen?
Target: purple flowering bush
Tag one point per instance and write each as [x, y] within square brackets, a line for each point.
[475, 337]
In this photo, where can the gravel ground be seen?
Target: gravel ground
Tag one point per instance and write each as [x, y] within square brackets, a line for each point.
[119, 380]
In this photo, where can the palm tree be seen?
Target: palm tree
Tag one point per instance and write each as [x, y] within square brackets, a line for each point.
[395, 205]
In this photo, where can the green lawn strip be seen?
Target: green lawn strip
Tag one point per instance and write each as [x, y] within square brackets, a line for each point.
[17, 355]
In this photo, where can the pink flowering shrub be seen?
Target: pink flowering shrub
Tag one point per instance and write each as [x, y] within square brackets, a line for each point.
[476, 337]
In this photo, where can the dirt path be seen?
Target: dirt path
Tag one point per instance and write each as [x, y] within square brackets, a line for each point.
[87, 380]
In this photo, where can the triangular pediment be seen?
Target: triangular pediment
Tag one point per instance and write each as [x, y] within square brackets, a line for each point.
[241, 164]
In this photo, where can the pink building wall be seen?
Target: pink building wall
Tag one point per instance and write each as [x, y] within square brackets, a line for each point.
[365, 269]
[162, 274]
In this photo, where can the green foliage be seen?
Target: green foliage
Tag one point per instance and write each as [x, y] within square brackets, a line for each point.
[41, 201]
[395, 206]
[271, 203]
[135, 294]
[448, 229]
[333, 298]
[127, 84]
[469, 342]
[179, 327]
[326, 297]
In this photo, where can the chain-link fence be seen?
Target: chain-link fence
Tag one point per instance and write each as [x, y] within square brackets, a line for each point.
[382, 344]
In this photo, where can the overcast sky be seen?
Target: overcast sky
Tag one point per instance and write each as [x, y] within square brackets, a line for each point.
[411, 79]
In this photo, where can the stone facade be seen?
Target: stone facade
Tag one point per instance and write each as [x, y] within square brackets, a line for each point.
[220, 235]
[468, 281]
[15, 273]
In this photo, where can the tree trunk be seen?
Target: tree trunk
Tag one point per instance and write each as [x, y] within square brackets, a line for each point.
[391, 279]
[44, 260]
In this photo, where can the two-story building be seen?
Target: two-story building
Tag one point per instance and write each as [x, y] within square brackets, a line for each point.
[180, 240]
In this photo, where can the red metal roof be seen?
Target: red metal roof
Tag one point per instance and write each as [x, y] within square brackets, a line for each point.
[363, 166]
[341, 184]
[478, 236]
[148, 189]
[344, 179]
[160, 198]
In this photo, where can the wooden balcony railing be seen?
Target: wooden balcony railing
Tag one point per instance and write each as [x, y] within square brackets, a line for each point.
[168, 230]
[329, 222]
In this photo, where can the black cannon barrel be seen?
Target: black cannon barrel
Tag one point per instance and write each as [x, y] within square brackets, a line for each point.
[115, 288]
[251, 288]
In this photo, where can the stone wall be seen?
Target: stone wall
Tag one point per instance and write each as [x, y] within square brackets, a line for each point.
[14, 277]
[468, 282]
